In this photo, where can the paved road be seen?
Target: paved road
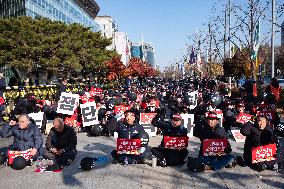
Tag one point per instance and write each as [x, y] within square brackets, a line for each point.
[115, 176]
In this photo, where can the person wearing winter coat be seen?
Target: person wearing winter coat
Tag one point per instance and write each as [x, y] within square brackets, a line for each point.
[27, 136]
[258, 134]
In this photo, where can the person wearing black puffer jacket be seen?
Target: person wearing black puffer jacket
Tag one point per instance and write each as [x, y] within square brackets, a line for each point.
[211, 130]
[165, 156]
[61, 144]
[258, 134]
[27, 136]
[128, 128]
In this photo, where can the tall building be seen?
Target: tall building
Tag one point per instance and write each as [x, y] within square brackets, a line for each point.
[150, 55]
[136, 50]
[122, 46]
[108, 29]
[144, 51]
[68, 11]
[282, 33]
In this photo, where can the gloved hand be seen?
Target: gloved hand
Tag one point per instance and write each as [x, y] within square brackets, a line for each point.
[161, 111]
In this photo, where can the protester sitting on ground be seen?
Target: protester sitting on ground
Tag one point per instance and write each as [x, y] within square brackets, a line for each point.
[61, 144]
[258, 134]
[166, 156]
[211, 130]
[128, 128]
[27, 136]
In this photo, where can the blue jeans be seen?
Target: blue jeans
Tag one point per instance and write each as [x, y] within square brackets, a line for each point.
[217, 162]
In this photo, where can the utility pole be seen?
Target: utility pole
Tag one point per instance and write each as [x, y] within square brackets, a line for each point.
[225, 30]
[272, 39]
[251, 38]
[230, 51]
[229, 37]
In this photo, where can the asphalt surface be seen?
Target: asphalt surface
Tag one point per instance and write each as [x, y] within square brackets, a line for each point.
[109, 176]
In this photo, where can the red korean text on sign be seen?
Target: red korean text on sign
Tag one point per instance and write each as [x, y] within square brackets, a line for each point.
[13, 154]
[128, 146]
[175, 142]
[243, 118]
[146, 118]
[212, 147]
[264, 153]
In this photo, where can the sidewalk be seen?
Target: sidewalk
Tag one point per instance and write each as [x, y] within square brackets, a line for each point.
[115, 176]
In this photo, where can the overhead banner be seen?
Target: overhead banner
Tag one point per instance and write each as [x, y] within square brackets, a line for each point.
[68, 103]
[89, 114]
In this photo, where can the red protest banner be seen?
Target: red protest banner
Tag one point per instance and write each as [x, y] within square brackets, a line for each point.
[264, 153]
[243, 118]
[70, 121]
[213, 147]
[139, 97]
[96, 91]
[175, 142]
[146, 118]
[120, 109]
[13, 154]
[238, 136]
[128, 146]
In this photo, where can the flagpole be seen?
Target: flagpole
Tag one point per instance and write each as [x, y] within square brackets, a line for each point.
[272, 39]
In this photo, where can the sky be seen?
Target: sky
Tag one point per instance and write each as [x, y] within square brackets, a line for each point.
[165, 23]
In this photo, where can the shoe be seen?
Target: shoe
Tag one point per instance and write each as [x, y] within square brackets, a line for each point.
[240, 161]
[141, 161]
[2, 158]
[53, 167]
[275, 168]
[163, 163]
[44, 163]
[261, 167]
[207, 167]
[232, 164]
[115, 161]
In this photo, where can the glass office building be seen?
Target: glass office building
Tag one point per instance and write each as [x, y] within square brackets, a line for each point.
[68, 11]
[282, 34]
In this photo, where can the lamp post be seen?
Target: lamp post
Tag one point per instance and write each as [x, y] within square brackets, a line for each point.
[272, 39]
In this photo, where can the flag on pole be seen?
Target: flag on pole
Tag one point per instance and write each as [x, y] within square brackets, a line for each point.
[198, 60]
[233, 50]
[255, 41]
